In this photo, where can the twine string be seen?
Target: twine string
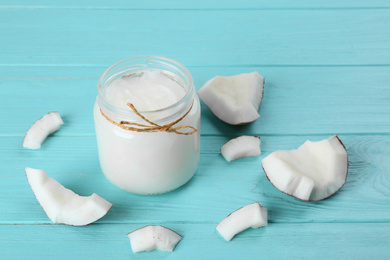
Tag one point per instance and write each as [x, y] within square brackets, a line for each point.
[152, 127]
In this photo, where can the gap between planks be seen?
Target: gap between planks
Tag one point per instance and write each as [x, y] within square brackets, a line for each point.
[204, 65]
[227, 136]
[378, 221]
[188, 9]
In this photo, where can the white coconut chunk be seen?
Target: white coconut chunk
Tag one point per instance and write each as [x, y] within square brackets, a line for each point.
[63, 205]
[252, 215]
[240, 147]
[234, 99]
[43, 127]
[152, 237]
[315, 171]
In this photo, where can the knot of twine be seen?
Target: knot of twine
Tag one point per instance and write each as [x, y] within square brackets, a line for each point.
[153, 127]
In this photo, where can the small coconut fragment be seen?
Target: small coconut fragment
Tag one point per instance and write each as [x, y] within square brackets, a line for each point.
[315, 171]
[240, 147]
[234, 99]
[252, 215]
[152, 237]
[63, 205]
[43, 127]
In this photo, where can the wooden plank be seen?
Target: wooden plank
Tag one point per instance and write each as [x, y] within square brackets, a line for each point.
[217, 189]
[341, 99]
[200, 241]
[251, 37]
[199, 4]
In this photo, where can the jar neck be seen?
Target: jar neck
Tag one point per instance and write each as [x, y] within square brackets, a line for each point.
[129, 66]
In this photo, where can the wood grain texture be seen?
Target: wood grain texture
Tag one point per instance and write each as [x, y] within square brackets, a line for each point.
[201, 241]
[250, 37]
[341, 99]
[199, 4]
[327, 69]
[73, 162]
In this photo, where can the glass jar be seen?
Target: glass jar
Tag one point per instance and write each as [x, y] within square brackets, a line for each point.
[148, 162]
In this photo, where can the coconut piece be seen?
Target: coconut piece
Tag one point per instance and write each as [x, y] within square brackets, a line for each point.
[152, 237]
[43, 127]
[63, 205]
[234, 99]
[315, 171]
[240, 147]
[252, 215]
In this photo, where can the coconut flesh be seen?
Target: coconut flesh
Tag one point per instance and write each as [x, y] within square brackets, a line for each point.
[234, 99]
[314, 171]
[240, 147]
[63, 205]
[252, 215]
[152, 237]
[43, 127]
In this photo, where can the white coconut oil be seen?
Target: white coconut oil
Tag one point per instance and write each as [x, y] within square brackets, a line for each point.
[147, 90]
[148, 159]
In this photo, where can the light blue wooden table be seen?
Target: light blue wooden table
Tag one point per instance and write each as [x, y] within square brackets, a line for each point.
[327, 69]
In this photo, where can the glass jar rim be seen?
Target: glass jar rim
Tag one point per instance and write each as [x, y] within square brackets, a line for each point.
[116, 109]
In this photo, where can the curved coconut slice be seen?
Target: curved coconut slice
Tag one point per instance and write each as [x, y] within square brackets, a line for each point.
[63, 205]
[151, 238]
[252, 215]
[234, 99]
[43, 127]
[315, 171]
[240, 147]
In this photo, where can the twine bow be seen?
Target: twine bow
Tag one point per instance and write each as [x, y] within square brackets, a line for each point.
[153, 127]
